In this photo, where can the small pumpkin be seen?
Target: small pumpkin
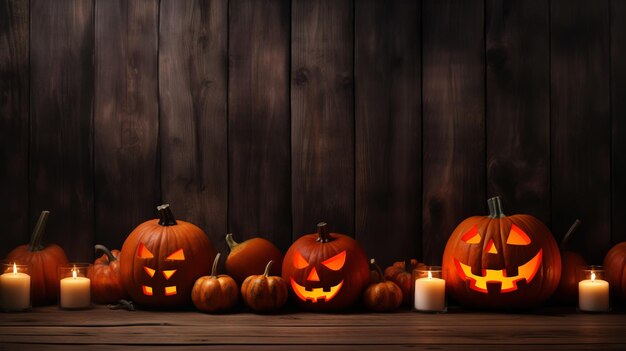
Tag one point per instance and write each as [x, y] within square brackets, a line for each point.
[42, 261]
[401, 273]
[106, 282]
[571, 262]
[250, 257]
[382, 296]
[500, 261]
[264, 293]
[215, 292]
[615, 269]
[326, 271]
[161, 260]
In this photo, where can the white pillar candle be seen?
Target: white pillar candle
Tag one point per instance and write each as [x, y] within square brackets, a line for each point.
[14, 290]
[430, 294]
[593, 295]
[75, 292]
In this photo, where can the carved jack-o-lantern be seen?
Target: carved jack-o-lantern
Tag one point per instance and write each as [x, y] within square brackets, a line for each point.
[161, 260]
[501, 262]
[326, 271]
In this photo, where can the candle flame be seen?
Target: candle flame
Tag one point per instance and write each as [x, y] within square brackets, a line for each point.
[430, 275]
[14, 268]
[74, 272]
[593, 276]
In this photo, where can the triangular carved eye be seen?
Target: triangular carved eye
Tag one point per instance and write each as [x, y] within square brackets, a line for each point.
[299, 262]
[143, 252]
[517, 236]
[472, 236]
[178, 255]
[336, 262]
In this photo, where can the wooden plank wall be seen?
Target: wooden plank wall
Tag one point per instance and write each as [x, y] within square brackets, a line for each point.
[391, 120]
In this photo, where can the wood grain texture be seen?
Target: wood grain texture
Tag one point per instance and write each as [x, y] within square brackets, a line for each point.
[259, 121]
[388, 128]
[453, 119]
[580, 133]
[127, 187]
[14, 121]
[518, 105]
[322, 107]
[193, 125]
[61, 143]
[618, 119]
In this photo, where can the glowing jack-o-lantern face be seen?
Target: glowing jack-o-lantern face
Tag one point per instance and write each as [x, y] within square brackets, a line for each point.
[325, 271]
[501, 261]
[161, 260]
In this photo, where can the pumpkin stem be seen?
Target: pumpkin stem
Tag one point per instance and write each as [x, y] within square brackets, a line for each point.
[569, 233]
[407, 265]
[268, 267]
[322, 233]
[106, 252]
[375, 267]
[215, 262]
[230, 241]
[166, 215]
[37, 235]
[495, 207]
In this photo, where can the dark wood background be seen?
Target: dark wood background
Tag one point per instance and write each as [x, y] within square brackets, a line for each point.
[391, 120]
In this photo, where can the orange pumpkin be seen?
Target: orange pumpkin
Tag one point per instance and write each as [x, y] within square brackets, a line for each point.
[42, 261]
[571, 263]
[615, 269]
[264, 293]
[382, 296]
[500, 261]
[326, 271]
[401, 273]
[162, 259]
[215, 292]
[250, 257]
[106, 283]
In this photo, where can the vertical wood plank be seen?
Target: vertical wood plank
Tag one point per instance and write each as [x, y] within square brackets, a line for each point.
[14, 121]
[193, 125]
[453, 119]
[127, 187]
[518, 105]
[618, 110]
[61, 161]
[388, 128]
[259, 121]
[580, 135]
[322, 115]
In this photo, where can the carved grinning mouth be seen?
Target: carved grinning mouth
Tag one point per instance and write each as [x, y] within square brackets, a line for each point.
[526, 272]
[315, 294]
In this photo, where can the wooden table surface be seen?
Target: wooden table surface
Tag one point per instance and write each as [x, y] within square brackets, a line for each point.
[101, 328]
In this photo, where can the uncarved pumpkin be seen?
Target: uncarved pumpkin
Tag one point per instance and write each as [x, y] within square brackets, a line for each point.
[106, 282]
[401, 273]
[571, 263]
[615, 269]
[250, 257]
[161, 260]
[42, 261]
[384, 295]
[215, 293]
[500, 261]
[326, 271]
[264, 293]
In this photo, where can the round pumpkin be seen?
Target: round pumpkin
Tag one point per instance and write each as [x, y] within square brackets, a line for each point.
[106, 282]
[42, 261]
[161, 260]
[571, 263]
[250, 257]
[264, 293]
[500, 261]
[326, 271]
[401, 273]
[215, 292]
[382, 296]
[615, 270]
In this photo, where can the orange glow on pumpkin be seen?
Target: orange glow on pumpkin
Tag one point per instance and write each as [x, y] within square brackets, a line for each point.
[143, 252]
[517, 236]
[179, 255]
[169, 274]
[170, 290]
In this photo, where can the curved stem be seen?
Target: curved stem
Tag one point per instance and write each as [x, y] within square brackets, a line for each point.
[268, 267]
[569, 233]
[374, 266]
[407, 265]
[215, 262]
[230, 241]
[166, 215]
[37, 235]
[322, 232]
[106, 252]
[495, 207]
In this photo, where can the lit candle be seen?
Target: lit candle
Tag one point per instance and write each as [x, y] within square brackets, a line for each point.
[430, 294]
[14, 290]
[75, 291]
[593, 294]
